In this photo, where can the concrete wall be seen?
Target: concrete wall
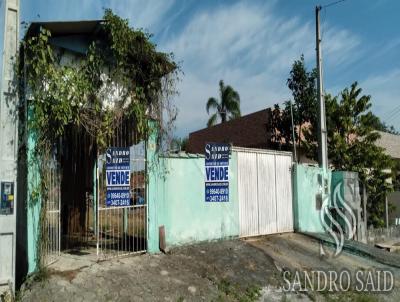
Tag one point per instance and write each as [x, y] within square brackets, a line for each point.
[177, 200]
[33, 206]
[305, 189]
[9, 31]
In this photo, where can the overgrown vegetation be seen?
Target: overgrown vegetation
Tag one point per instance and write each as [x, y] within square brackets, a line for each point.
[121, 78]
[179, 144]
[351, 129]
[233, 292]
[302, 83]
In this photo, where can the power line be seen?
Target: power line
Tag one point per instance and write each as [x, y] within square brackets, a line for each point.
[332, 3]
[323, 22]
[387, 114]
[395, 115]
[323, 8]
[393, 112]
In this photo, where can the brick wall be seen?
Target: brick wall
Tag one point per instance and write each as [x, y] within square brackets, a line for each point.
[247, 131]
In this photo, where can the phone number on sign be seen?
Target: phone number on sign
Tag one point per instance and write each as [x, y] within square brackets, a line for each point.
[218, 198]
[218, 191]
[119, 195]
[119, 202]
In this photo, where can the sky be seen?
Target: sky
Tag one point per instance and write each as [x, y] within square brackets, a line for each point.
[251, 45]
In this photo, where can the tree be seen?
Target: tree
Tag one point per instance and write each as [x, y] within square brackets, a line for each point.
[228, 108]
[302, 83]
[352, 146]
[351, 130]
[382, 126]
[179, 144]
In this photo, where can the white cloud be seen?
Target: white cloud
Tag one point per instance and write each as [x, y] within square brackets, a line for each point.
[338, 45]
[251, 48]
[142, 14]
[385, 95]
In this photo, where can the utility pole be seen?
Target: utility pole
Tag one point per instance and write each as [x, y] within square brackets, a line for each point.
[294, 139]
[9, 25]
[322, 133]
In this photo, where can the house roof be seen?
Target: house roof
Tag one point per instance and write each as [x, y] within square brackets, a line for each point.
[61, 28]
[391, 144]
[75, 36]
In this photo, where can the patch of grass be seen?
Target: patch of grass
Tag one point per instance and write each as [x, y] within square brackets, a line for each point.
[6, 297]
[233, 292]
[225, 286]
[350, 296]
[41, 275]
[252, 292]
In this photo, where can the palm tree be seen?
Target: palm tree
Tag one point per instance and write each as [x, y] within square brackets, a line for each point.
[227, 109]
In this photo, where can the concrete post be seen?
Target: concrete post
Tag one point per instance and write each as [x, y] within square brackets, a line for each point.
[9, 142]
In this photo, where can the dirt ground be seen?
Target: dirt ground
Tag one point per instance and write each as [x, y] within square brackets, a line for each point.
[233, 270]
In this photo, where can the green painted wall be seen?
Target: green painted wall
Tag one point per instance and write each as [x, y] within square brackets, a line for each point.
[177, 200]
[33, 206]
[305, 188]
[337, 178]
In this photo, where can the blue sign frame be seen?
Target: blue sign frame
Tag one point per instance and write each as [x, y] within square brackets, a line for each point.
[217, 172]
[118, 173]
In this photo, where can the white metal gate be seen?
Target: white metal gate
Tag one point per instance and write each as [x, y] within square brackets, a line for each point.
[122, 230]
[51, 230]
[265, 191]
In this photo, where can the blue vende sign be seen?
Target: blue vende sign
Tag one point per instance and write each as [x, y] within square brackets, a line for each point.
[217, 172]
[118, 172]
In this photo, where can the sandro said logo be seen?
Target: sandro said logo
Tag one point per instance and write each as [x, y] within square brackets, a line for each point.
[337, 217]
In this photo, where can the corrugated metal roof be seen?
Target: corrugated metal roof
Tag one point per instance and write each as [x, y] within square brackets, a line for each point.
[391, 144]
[183, 155]
[257, 150]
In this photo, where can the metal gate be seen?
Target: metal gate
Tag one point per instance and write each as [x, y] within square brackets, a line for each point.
[51, 230]
[122, 230]
[265, 192]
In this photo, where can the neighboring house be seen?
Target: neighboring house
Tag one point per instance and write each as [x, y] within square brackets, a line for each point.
[70, 41]
[76, 169]
[252, 131]
[249, 131]
[391, 144]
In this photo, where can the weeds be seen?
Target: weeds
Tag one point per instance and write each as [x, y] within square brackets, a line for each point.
[233, 292]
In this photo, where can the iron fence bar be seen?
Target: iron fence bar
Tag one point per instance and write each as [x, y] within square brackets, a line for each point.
[97, 207]
[59, 211]
[51, 225]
